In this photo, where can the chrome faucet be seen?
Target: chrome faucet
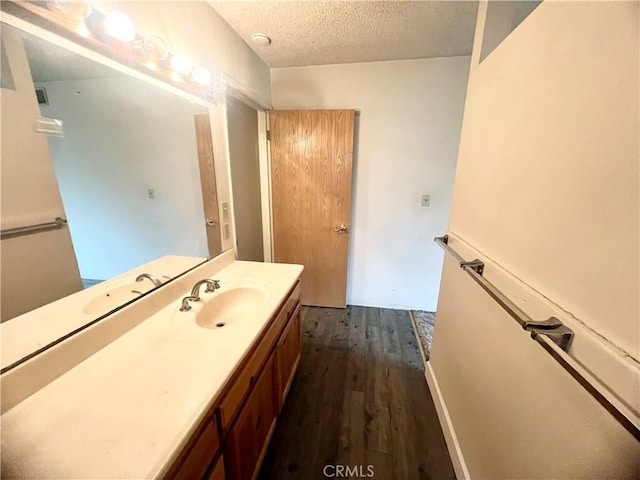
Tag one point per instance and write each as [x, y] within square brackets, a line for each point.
[156, 282]
[212, 286]
[185, 307]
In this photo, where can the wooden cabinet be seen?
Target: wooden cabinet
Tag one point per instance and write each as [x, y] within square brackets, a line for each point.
[217, 472]
[287, 356]
[248, 409]
[244, 379]
[247, 440]
[198, 456]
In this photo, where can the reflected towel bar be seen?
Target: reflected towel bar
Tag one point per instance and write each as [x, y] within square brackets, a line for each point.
[58, 222]
[554, 337]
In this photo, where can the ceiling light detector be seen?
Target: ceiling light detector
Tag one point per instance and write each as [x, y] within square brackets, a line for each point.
[260, 39]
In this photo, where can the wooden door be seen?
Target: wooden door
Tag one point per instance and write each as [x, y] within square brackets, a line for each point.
[311, 161]
[208, 181]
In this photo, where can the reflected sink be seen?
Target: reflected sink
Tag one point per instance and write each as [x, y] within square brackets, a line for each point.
[114, 297]
[226, 306]
[114, 293]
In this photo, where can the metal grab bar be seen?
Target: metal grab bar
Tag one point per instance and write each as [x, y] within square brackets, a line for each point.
[552, 327]
[58, 222]
[554, 337]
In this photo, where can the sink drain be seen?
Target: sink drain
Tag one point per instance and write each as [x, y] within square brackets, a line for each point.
[220, 324]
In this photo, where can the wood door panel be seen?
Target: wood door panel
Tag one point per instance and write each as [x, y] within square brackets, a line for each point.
[311, 166]
[204, 144]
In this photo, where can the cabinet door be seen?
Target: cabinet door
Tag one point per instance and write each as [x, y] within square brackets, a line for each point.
[217, 473]
[247, 438]
[197, 461]
[288, 352]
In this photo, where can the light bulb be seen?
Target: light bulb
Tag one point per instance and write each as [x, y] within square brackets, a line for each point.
[119, 26]
[83, 31]
[180, 63]
[201, 76]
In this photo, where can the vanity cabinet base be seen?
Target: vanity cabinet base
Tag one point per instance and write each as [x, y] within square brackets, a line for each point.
[247, 412]
[246, 444]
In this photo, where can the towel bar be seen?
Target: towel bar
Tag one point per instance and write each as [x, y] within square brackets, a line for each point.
[555, 338]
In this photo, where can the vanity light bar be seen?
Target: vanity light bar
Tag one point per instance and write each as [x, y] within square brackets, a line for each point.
[116, 31]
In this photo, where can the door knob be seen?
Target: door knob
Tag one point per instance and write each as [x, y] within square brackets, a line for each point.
[210, 222]
[341, 228]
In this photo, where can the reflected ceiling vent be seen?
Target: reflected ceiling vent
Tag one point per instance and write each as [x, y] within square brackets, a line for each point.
[41, 94]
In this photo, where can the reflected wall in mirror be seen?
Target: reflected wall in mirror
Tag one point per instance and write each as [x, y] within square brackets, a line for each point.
[123, 169]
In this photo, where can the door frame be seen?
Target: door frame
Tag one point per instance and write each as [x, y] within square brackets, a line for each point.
[264, 164]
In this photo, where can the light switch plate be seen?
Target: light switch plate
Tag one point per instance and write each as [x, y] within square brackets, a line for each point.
[426, 200]
[226, 231]
[225, 211]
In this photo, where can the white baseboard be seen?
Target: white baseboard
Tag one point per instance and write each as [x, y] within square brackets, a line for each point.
[455, 452]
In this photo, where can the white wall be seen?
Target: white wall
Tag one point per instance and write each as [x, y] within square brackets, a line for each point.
[547, 188]
[122, 137]
[40, 267]
[406, 145]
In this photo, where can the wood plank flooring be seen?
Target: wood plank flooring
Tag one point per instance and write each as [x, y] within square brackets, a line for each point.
[359, 398]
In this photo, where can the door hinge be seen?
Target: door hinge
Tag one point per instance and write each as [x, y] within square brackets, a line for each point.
[268, 135]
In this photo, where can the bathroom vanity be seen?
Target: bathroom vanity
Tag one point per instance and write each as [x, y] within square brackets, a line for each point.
[193, 394]
[241, 422]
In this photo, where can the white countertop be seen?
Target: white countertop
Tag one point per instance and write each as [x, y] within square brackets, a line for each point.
[32, 330]
[127, 411]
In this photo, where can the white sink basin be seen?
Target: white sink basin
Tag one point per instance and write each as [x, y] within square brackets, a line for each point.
[226, 307]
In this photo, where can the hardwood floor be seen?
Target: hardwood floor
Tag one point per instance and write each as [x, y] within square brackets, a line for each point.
[359, 398]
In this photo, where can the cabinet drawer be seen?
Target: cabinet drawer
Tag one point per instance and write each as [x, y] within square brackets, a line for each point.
[203, 451]
[292, 301]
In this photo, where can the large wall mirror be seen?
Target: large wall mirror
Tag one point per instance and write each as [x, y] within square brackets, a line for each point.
[101, 175]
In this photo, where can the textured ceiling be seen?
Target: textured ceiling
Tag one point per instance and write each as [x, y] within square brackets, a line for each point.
[325, 32]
